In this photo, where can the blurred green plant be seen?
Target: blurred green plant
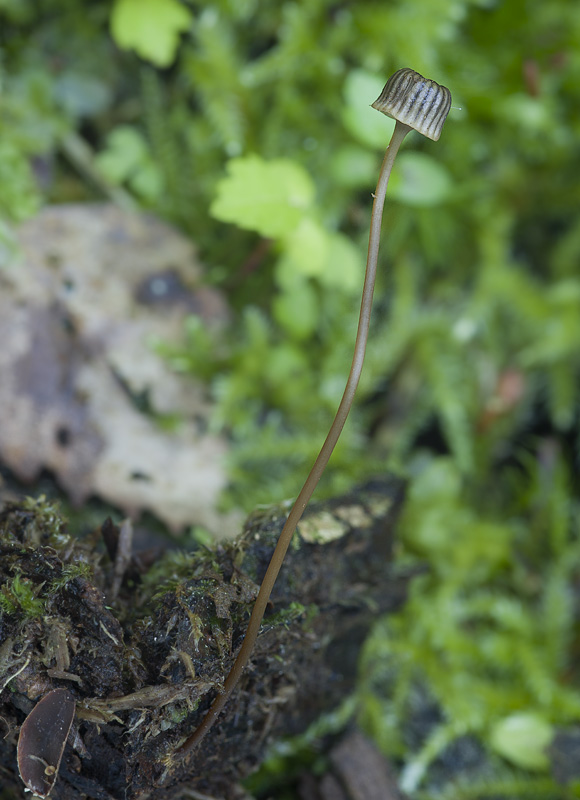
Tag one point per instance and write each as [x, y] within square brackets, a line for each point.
[489, 628]
[150, 27]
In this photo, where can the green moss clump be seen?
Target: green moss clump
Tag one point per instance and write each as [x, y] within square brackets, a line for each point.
[489, 631]
[20, 596]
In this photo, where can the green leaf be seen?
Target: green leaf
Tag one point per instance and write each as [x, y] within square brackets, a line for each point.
[296, 309]
[365, 123]
[331, 258]
[127, 158]
[150, 27]
[148, 181]
[307, 247]
[522, 738]
[418, 180]
[126, 149]
[269, 197]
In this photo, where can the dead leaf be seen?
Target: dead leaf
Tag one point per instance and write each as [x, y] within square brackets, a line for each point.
[92, 287]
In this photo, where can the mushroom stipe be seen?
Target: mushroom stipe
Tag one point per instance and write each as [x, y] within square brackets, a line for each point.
[416, 103]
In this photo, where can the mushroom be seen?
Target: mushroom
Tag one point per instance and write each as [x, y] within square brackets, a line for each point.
[416, 103]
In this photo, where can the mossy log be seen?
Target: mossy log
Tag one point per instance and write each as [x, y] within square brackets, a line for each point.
[144, 656]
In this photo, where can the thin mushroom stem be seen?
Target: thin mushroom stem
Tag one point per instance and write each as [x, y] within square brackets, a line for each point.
[401, 130]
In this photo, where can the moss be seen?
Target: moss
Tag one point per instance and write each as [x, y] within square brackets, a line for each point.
[20, 596]
[46, 524]
[80, 569]
[146, 666]
[285, 616]
[490, 628]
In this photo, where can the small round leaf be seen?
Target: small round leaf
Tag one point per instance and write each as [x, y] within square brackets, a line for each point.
[522, 738]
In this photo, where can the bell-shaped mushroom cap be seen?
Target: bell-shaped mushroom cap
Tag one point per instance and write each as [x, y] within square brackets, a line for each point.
[415, 101]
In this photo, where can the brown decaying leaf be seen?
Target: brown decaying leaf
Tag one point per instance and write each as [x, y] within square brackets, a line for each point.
[42, 740]
[93, 285]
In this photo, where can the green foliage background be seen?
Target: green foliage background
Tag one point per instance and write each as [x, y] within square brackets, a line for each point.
[247, 125]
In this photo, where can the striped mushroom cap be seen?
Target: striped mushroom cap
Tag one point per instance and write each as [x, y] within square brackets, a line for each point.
[415, 101]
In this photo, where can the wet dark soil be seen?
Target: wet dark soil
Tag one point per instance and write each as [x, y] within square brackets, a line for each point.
[143, 642]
